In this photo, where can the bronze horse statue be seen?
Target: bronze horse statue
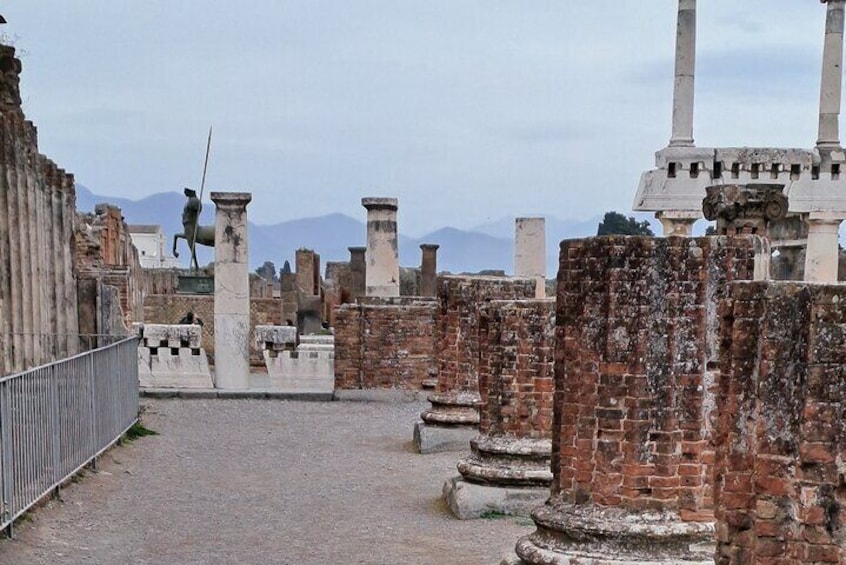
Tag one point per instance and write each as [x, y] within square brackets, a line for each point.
[191, 232]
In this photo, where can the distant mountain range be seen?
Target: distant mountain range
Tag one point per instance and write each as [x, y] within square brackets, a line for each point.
[487, 246]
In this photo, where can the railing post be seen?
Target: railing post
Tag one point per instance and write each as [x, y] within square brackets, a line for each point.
[55, 427]
[6, 454]
[92, 381]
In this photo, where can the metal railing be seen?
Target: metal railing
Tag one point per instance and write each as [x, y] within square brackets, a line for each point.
[57, 418]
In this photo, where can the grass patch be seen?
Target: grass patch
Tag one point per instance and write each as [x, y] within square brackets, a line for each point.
[139, 430]
[493, 515]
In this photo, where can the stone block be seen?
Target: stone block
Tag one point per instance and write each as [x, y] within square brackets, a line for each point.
[437, 439]
[281, 337]
[172, 335]
[468, 500]
[166, 367]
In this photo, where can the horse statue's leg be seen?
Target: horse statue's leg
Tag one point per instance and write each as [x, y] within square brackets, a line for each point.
[176, 237]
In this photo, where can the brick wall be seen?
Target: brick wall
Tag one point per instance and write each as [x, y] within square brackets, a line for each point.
[636, 342]
[516, 381]
[458, 325]
[780, 490]
[170, 308]
[385, 343]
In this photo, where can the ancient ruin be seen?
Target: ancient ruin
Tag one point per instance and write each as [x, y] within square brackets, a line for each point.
[811, 178]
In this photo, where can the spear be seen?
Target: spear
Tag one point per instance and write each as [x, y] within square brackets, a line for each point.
[202, 188]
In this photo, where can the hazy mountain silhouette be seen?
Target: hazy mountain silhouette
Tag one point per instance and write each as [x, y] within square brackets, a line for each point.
[487, 246]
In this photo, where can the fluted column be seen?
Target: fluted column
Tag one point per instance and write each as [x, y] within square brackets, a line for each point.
[36, 251]
[231, 291]
[831, 85]
[683, 93]
[6, 356]
[70, 290]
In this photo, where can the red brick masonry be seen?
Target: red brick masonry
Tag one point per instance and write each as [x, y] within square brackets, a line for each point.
[637, 345]
[780, 489]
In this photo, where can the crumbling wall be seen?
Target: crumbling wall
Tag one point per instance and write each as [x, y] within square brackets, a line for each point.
[385, 343]
[38, 320]
[780, 489]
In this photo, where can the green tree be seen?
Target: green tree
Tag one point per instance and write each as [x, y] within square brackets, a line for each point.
[615, 223]
[268, 272]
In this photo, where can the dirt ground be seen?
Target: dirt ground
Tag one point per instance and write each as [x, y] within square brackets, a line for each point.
[263, 482]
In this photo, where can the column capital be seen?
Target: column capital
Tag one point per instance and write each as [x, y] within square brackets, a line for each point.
[231, 199]
[375, 203]
[354, 250]
[429, 246]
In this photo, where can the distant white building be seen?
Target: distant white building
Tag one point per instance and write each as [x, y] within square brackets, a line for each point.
[151, 243]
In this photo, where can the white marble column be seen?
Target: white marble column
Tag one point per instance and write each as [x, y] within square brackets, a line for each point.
[231, 291]
[822, 254]
[382, 255]
[530, 252]
[832, 76]
[683, 91]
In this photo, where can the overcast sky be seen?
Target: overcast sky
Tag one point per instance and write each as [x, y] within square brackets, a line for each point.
[466, 110]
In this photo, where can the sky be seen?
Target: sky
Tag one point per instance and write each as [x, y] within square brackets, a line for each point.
[465, 110]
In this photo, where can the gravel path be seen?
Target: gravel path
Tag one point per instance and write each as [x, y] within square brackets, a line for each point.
[263, 482]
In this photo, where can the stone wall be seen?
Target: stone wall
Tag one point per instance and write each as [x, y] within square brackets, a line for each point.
[780, 490]
[38, 302]
[385, 343]
[171, 308]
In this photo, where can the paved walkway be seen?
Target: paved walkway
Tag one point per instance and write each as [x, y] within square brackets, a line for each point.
[263, 482]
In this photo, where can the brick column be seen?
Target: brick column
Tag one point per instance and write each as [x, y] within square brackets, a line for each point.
[781, 435]
[508, 470]
[637, 344]
[231, 291]
[358, 272]
[452, 421]
[429, 269]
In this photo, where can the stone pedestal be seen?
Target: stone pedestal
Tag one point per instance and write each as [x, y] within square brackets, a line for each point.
[382, 275]
[231, 291]
[637, 345]
[453, 418]
[822, 253]
[513, 449]
[358, 272]
[429, 269]
[530, 251]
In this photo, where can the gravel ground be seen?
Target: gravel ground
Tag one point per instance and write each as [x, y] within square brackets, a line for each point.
[255, 482]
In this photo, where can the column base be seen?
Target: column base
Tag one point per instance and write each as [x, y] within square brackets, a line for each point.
[453, 409]
[437, 439]
[468, 500]
[569, 534]
[504, 461]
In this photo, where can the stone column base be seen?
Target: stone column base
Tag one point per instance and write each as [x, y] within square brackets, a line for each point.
[435, 439]
[456, 409]
[569, 533]
[469, 500]
[504, 461]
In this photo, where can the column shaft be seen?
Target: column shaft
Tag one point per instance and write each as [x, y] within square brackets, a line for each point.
[358, 272]
[821, 256]
[429, 269]
[683, 92]
[70, 290]
[231, 291]
[832, 76]
[382, 276]
[530, 252]
[6, 361]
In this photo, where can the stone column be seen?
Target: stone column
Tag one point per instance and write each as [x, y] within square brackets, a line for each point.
[637, 351]
[822, 253]
[832, 76]
[429, 269]
[358, 272]
[231, 291]
[509, 468]
[677, 222]
[6, 339]
[453, 419]
[530, 251]
[69, 276]
[382, 276]
[683, 92]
